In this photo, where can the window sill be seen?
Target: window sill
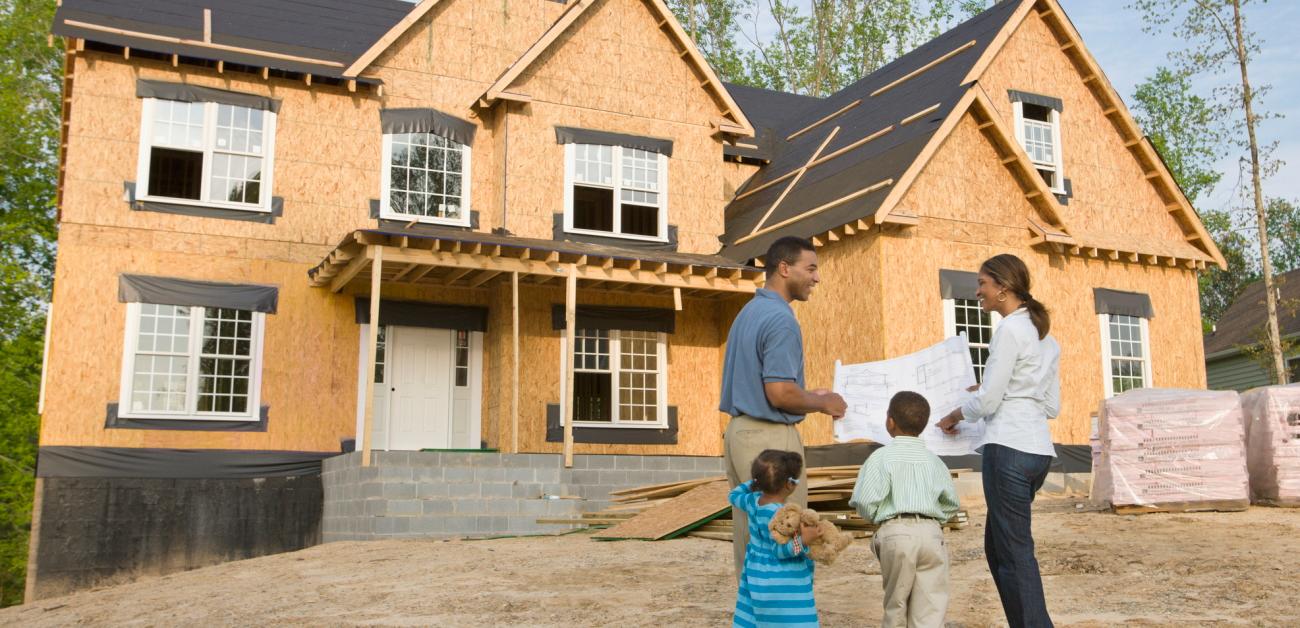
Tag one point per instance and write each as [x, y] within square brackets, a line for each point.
[617, 236]
[610, 434]
[203, 210]
[425, 220]
[191, 423]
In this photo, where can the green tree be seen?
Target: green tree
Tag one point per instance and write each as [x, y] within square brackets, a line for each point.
[1219, 45]
[815, 47]
[31, 75]
[1184, 127]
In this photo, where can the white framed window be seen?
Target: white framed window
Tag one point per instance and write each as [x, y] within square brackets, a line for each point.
[620, 378]
[191, 362]
[1125, 353]
[206, 154]
[615, 191]
[965, 316]
[426, 178]
[1038, 129]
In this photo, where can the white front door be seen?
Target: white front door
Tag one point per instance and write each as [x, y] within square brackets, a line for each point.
[420, 388]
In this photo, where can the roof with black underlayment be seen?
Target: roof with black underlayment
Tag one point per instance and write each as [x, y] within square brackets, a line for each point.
[815, 203]
[323, 36]
[768, 110]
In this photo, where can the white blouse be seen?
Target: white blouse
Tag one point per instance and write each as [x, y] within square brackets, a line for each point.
[1021, 388]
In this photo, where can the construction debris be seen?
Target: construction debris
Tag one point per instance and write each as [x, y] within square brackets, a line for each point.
[648, 512]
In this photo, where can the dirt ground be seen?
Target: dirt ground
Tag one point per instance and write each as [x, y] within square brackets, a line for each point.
[1099, 569]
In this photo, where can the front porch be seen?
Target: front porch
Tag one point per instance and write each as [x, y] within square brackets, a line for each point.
[526, 306]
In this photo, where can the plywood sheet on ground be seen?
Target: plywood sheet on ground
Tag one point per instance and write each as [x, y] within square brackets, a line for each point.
[675, 516]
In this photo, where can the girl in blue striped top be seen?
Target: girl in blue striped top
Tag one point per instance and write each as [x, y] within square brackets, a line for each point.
[776, 585]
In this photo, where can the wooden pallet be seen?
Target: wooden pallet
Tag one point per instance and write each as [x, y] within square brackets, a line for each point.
[1227, 505]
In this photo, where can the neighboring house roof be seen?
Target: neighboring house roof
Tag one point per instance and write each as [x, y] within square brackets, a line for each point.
[864, 128]
[1244, 320]
[768, 110]
[320, 37]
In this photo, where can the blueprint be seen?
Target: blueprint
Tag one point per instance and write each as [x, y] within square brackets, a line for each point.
[941, 373]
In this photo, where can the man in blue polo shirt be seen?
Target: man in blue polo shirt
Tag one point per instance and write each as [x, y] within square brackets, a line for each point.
[762, 375]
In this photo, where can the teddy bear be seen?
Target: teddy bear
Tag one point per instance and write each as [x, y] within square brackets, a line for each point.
[825, 548]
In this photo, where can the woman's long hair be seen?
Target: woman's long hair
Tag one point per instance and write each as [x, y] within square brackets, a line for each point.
[1012, 274]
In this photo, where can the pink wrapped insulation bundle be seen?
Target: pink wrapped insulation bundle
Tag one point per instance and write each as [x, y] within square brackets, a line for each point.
[1272, 416]
[1172, 447]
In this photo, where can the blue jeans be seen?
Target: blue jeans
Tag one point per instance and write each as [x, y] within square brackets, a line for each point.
[1011, 477]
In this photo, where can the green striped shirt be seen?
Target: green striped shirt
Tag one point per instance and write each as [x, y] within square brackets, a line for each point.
[904, 477]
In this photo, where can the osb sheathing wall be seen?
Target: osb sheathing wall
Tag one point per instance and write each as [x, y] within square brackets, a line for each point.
[971, 209]
[327, 168]
[694, 370]
[1111, 194]
[616, 70]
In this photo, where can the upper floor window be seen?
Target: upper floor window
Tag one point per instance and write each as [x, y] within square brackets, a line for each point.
[426, 178]
[616, 191]
[1038, 127]
[206, 153]
[426, 166]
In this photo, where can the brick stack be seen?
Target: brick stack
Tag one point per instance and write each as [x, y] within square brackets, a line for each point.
[1176, 449]
[1272, 418]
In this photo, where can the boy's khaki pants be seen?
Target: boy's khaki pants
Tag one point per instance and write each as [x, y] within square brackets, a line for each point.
[747, 437]
[914, 567]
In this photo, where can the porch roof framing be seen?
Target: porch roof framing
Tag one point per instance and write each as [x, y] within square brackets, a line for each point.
[465, 259]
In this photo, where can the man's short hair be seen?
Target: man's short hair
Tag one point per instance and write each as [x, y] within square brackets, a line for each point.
[787, 249]
[910, 412]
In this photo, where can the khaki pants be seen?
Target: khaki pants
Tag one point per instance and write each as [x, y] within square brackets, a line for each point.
[914, 567]
[747, 437]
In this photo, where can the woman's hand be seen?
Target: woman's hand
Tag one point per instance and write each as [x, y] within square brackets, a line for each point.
[949, 423]
[809, 533]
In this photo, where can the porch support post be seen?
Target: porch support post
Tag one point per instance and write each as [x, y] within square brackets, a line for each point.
[570, 296]
[514, 381]
[372, 349]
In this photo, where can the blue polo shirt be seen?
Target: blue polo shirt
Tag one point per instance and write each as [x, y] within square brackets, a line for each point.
[764, 345]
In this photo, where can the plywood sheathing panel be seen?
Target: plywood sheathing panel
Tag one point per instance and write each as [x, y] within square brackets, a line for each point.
[1112, 193]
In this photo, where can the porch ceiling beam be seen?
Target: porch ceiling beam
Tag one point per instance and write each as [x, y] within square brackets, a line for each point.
[350, 271]
[538, 267]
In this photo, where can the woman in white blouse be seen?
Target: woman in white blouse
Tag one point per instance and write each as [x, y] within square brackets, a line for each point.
[1019, 392]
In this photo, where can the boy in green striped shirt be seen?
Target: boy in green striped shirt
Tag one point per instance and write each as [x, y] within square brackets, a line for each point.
[907, 491]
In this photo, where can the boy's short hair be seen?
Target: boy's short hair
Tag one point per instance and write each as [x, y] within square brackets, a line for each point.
[773, 468]
[910, 412]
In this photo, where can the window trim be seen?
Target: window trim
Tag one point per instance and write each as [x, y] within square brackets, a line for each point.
[570, 171]
[209, 145]
[1058, 167]
[191, 413]
[385, 187]
[950, 322]
[1108, 388]
[615, 338]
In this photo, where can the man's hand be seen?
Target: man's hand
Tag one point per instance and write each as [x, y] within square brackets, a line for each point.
[835, 404]
[949, 423]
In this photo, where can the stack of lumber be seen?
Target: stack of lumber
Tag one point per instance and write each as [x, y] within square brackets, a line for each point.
[1170, 450]
[699, 508]
[1272, 416]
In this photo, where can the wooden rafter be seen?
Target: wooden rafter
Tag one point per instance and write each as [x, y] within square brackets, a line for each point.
[917, 72]
[199, 44]
[795, 180]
